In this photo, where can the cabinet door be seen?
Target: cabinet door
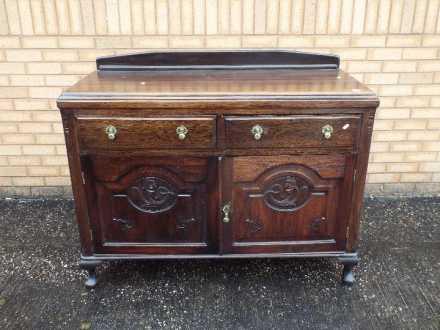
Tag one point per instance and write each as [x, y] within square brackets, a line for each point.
[152, 205]
[287, 203]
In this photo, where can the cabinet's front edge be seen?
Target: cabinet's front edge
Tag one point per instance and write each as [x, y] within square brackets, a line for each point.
[219, 256]
[227, 104]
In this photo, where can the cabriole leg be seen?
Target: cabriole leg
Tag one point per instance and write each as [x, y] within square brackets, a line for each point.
[347, 273]
[90, 266]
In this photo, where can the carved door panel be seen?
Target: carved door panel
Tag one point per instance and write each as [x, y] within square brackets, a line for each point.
[156, 206]
[287, 203]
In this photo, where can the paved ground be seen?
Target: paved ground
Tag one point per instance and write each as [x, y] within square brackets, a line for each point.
[398, 279]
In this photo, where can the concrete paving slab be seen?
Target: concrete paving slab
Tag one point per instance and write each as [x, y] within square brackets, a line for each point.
[398, 281]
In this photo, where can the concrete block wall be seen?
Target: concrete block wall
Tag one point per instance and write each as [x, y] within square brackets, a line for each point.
[391, 45]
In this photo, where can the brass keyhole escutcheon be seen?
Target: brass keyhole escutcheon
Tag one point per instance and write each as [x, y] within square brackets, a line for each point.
[111, 131]
[226, 209]
[257, 132]
[181, 132]
[327, 131]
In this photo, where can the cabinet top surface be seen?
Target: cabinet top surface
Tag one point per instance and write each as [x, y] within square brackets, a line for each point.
[215, 83]
[217, 75]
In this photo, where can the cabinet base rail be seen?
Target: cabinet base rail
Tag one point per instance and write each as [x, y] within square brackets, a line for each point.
[348, 260]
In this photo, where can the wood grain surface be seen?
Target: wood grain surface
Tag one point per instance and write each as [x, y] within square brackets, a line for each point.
[146, 133]
[219, 191]
[288, 131]
[216, 83]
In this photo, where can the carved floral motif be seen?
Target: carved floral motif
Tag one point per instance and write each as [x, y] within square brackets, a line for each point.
[152, 195]
[287, 193]
[254, 225]
[183, 223]
[124, 223]
[315, 225]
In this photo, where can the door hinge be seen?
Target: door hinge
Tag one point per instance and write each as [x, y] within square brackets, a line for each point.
[83, 178]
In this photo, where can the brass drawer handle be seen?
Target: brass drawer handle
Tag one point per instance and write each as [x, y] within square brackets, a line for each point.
[111, 131]
[327, 131]
[181, 132]
[257, 132]
[226, 212]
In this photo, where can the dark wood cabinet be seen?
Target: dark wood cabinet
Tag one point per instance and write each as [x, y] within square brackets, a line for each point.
[218, 155]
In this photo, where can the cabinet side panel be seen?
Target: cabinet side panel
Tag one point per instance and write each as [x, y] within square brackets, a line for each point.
[359, 179]
[78, 189]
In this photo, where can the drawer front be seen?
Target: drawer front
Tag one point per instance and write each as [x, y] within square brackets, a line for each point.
[146, 133]
[291, 131]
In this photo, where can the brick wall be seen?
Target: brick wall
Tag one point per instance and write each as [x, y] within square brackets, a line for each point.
[393, 46]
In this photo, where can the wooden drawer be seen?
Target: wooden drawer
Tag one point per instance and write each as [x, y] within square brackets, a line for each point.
[147, 132]
[291, 131]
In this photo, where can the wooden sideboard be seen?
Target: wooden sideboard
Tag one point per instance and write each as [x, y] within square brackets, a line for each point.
[222, 154]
